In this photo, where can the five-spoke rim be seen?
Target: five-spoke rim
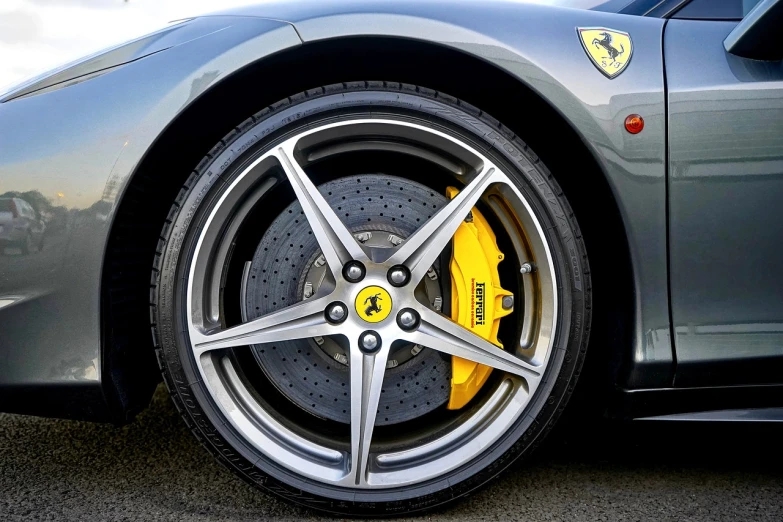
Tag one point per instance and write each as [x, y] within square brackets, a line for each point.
[357, 467]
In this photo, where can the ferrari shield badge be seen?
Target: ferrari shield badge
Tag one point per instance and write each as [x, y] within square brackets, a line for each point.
[608, 49]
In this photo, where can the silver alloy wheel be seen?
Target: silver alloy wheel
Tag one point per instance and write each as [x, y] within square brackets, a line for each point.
[358, 467]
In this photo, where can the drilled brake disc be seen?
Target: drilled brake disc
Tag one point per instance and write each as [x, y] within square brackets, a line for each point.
[285, 268]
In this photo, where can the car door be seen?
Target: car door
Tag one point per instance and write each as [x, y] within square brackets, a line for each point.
[725, 127]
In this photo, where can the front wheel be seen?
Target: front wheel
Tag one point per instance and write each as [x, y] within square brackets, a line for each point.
[371, 299]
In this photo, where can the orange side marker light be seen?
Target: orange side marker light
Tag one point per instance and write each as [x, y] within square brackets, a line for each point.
[634, 124]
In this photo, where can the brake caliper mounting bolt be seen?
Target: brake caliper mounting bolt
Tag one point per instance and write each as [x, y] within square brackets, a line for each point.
[363, 237]
[399, 276]
[408, 319]
[353, 271]
[526, 268]
[369, 341]
[336, 312]
[508, 302]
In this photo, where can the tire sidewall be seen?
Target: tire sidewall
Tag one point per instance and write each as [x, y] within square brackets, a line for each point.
[201, 194]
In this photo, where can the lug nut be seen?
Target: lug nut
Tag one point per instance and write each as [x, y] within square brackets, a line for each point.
[399, 276]
[336, 313]
[408, 319]
[369, 341]
[526, 268]
[353, 271]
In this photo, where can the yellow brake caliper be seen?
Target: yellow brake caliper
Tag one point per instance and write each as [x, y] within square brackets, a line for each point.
[476, 299]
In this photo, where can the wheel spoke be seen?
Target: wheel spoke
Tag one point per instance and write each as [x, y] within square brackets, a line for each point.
[367, 371]
[300, 321]
[337, 244]
[422, 249]
[440, 333]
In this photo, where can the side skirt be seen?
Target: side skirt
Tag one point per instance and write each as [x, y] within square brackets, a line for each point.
[706, 403]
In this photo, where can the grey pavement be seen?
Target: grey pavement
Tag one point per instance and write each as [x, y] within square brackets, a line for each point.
[153, 469]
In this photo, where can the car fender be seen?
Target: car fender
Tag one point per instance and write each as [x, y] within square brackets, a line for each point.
[81, 138]
[78, 142]
[539, 45]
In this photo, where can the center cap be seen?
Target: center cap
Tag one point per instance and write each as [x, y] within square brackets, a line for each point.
[373, 304]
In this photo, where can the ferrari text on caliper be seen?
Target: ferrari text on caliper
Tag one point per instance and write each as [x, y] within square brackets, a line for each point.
[478, 302]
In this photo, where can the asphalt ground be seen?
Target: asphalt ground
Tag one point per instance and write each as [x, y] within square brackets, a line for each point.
[153, 469]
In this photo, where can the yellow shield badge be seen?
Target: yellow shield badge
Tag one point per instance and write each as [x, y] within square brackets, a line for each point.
[608, 49]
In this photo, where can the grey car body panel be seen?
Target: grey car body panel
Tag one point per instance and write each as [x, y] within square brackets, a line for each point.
[176, 34]
[85, 141]
[726, 185]
[561, 73]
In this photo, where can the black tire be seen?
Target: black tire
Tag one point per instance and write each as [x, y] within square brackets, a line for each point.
[199, 195]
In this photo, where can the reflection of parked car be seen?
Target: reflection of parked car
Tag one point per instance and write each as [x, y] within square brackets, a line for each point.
[20, 225]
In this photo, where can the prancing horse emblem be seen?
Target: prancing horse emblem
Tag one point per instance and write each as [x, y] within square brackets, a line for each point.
[609, 50]
[368, 304]
[374, 306]
[606, 43]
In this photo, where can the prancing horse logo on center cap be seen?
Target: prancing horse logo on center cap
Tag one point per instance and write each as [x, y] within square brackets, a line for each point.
[373, 304]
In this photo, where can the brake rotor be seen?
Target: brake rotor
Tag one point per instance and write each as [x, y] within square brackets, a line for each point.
[288, 267]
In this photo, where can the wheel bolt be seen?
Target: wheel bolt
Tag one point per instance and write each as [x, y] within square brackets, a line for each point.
[353, 271]
[369, 341]
[336, 312]
[399, 276]
[408, 319]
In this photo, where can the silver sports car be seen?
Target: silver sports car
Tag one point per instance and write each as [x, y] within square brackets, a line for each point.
[371, 246]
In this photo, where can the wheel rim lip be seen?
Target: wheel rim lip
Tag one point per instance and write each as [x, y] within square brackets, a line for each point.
[325, 465]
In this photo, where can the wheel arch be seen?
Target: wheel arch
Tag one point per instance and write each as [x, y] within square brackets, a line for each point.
[146, 201]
